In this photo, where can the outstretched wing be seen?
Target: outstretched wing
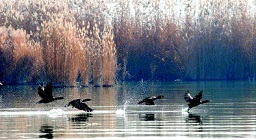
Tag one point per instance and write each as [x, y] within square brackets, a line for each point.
[85, 100]
[45, 92]
[73, 102]
[144, 100]
[198, 96]
[152, 98]
[148, 100]
[188, 97]
[82, 106]
[48, 89]
[41, 92]
[79, 105]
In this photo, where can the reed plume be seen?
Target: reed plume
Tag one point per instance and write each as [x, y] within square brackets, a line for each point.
[21, 59]
[98, 42]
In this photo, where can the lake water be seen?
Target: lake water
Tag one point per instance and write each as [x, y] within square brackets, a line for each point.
[230, 114]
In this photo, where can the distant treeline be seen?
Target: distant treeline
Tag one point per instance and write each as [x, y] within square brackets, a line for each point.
[102, 42]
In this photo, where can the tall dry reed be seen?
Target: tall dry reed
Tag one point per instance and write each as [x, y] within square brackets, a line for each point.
[101, 41]
[63, 52]
[109, 57]
[20, 58]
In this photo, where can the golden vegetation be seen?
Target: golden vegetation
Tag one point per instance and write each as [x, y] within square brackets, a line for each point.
[94, 41]
[20, 58]
[49, 41]
[198, 40]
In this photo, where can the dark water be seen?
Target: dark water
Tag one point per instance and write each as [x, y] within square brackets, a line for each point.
[230, 114]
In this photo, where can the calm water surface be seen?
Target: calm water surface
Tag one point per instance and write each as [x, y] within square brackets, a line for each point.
[230, 114]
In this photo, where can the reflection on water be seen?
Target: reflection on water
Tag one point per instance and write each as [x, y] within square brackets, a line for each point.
[80, 118]
[230, 114]
[147, 117]
[47, 132]
[194, 119]
[194, 124]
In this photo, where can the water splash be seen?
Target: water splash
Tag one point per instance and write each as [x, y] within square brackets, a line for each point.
[55, 113]
[185, 110]
[120, 111]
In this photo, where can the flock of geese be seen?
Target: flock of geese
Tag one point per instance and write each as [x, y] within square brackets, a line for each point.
[45, 92]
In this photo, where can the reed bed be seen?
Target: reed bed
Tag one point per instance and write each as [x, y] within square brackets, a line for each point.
[100, 42]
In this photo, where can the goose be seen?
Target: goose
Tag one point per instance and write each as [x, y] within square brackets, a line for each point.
[46, 94]
[79, 104]
[150, 100]
[192, 102]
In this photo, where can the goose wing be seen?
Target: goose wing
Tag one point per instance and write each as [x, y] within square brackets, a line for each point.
[78, 104]
[85, 100]
[152, 98]
[45, 93]
[198, 96]
[82, 106]
[144, 100]
[73, 102]
[41, 92]
[48, 89]
[188, 97]
[148, 100]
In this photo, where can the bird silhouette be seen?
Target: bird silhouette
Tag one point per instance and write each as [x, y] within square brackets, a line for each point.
[46, 94]
[79, 104]
[192, 102]
[150, 100]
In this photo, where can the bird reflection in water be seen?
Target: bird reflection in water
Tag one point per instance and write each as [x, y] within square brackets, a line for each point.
[47, 132]
[195, 119]
[147, 117]
[80, 118]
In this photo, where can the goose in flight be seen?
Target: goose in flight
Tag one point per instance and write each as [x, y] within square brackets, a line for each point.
[46, 94]
[79, 104]
[150, 100]
[192, 102]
